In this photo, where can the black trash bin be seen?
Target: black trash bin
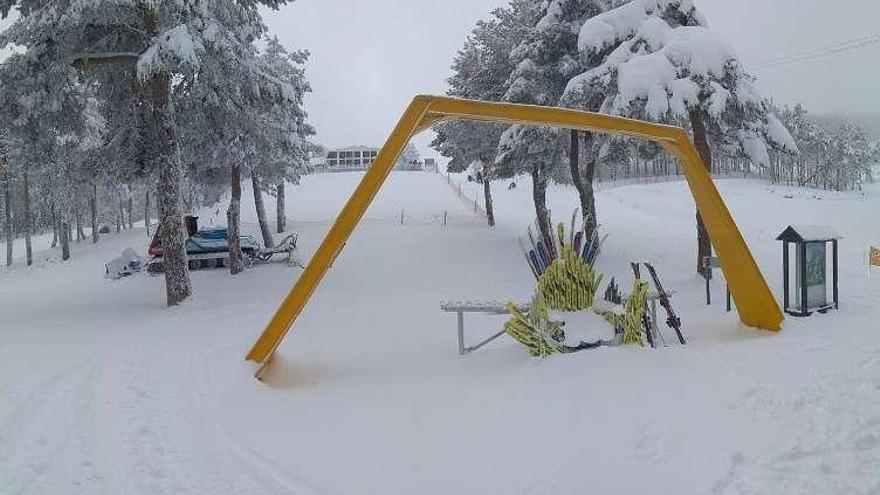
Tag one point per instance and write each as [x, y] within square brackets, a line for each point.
[192, 225]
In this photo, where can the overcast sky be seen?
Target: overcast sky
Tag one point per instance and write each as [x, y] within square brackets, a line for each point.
[370, 57]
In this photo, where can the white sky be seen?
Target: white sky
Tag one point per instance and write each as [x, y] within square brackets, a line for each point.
[370, 57]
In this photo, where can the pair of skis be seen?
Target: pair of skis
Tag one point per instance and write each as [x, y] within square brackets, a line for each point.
[540, 253]
[672, 320]
[588, 249]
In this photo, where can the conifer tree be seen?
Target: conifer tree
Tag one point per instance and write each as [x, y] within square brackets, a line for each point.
[662, 63]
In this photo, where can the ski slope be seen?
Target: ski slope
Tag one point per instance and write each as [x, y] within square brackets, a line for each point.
[104, 390]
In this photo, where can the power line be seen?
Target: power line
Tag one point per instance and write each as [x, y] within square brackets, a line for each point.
[820, 49]
[825, 51]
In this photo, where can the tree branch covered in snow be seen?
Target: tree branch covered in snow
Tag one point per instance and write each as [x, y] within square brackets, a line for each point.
[663, 64]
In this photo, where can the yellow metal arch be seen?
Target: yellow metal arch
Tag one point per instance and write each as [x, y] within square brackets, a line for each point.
[756, 305]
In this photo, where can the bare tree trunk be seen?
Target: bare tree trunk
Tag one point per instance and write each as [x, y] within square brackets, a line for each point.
[166, 160]
[280, 211]
[701, 141]
[117, 214]
[147, 211]
[268, 241]
[93, 209]
[80, 234]
[539, 196]
[233, 215]
[65, 240]
[487, 197]
[130, 212]
[54, 226]
[583, 180]
[8, 205]
[28, 221]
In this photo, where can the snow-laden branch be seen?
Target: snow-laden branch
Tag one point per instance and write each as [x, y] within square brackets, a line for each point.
[84, 61]
[172, 51]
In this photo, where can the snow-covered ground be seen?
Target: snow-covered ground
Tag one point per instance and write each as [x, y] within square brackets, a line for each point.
[103, 390]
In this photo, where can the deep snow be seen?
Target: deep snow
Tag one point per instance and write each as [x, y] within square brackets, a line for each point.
[103, 390]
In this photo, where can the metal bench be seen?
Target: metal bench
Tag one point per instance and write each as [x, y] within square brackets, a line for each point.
[500, 308]
[484, 307]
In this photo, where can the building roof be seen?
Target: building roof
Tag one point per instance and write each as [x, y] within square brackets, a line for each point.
[809, 233]
[354, 148]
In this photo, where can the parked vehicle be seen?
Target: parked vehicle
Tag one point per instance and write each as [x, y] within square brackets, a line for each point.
[205, 249]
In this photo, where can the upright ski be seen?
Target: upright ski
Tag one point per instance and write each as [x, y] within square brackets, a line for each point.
[672, 320]
[529, 257]
[542, 263]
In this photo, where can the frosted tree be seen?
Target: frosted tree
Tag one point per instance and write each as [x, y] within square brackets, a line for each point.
[248, 118]
[664, 64]
[162, 47]
[481, 70]
[43, 104]
[7, 189]
[851, 157]
[285, 152]
[472, 144]
[545, 59]
[409, 159]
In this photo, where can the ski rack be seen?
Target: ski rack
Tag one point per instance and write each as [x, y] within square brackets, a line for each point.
[754, 301]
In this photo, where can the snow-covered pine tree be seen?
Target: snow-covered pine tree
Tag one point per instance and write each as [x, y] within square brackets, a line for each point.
[469, 143]
[44, 103]
[7, 190]
[284, 152]
[481, 70]
[78, 149]
[409, 158]
[545, 59]
[248, 119]
[665, 64]
[835, 153]
[163, 48]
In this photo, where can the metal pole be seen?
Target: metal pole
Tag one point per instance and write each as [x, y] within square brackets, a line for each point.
[460, 333]
[785, 274]
[728, 300]
[803, 269]
[706, 268]
[834, 273]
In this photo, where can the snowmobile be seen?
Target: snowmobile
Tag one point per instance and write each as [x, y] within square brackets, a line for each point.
[205, 249]
[209, 248]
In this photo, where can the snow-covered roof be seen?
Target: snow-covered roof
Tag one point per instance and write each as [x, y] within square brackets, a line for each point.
[355, 148]
[809, 233]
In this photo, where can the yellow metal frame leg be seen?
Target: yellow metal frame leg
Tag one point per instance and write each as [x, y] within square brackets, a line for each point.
[755, 303]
